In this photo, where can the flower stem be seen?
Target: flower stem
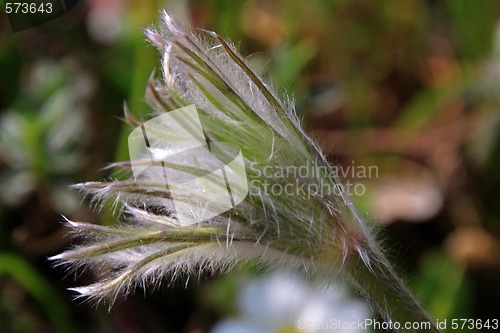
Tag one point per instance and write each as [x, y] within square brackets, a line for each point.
[388, 293]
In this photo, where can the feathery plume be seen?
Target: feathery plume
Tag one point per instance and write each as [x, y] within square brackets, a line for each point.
[301, 220]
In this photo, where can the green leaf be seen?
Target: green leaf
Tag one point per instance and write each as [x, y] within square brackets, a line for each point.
[442, 286]
[474, 23]
[42, 291]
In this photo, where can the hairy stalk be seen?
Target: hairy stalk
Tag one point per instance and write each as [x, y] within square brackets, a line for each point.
[387, 292]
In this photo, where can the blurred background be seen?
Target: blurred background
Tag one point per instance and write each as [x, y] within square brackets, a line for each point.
[409, 88]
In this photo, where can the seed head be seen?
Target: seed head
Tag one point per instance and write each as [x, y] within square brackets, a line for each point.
[295, 219]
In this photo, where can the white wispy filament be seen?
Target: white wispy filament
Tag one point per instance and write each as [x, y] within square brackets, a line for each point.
[317, 232]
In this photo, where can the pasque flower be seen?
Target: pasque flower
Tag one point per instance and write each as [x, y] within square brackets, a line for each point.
[313, 228]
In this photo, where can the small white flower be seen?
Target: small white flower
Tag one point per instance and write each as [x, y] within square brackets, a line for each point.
[283, 303]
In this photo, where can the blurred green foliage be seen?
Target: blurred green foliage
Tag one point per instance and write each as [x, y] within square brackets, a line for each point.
[21, 271]
[442, 287]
